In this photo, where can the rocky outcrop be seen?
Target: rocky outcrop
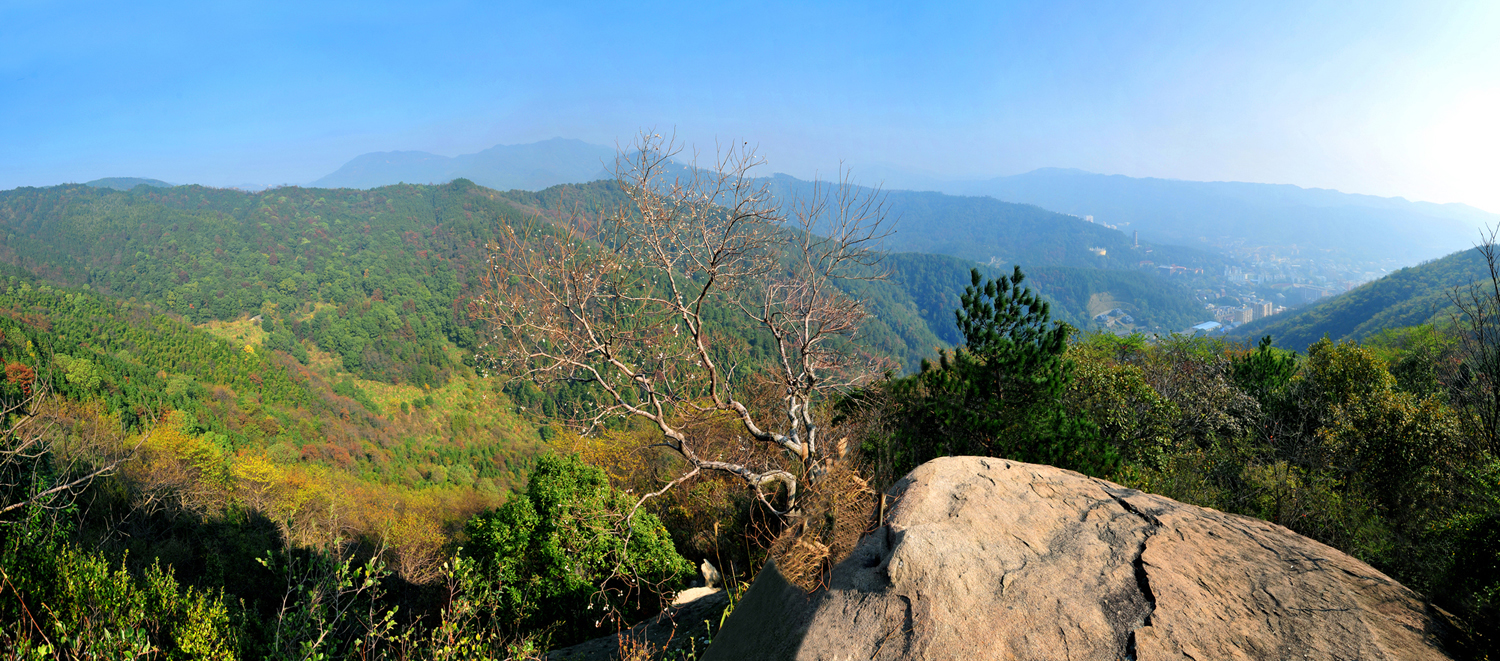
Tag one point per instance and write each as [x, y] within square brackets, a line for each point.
[993, 559]
[680, 629]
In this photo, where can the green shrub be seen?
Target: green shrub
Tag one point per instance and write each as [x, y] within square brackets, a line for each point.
[565, 555]
[66, 603]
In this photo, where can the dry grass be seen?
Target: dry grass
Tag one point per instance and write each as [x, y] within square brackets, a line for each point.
[1102, 302]
[836, 512]
[633, 648]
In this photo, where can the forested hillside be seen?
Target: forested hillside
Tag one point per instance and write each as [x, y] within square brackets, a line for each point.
[987, 230]
[265, 426]
[373, 277]
[928, 281]
[1159, 305]
[926, 285]
[1409, 297]
[377, 278]
[140, 365]
[307, 347]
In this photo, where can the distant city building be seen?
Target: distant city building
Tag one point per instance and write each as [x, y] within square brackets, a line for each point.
[1177, 270]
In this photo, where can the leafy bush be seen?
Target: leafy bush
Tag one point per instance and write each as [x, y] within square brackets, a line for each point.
[568, 548]
[65, 603]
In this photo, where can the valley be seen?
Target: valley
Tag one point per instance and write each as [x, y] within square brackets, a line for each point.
[395, 331]
[1254, 243]
[305, 370]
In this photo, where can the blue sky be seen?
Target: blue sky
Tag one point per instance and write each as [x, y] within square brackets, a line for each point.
[1386, 98]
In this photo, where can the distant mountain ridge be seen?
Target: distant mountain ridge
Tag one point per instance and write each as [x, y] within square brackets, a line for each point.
[503, 167]
[1165, 211]
[987, 230]
[1204, 213]
[127, 183]
[975, 228]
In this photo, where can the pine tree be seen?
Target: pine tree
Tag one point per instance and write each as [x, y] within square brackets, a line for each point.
[1000, 394]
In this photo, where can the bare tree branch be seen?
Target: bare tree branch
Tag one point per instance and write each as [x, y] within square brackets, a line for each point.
[643, 303]
[27, 442]
[1478, 323]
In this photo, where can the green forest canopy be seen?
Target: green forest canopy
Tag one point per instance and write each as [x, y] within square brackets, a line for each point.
[140, 307]
[379, 278]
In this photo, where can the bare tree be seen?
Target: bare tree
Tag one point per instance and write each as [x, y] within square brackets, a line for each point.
[32, 470]
[643, 302]
[1477, 324]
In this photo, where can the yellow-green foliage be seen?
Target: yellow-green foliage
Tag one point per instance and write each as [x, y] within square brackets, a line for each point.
[69, 604]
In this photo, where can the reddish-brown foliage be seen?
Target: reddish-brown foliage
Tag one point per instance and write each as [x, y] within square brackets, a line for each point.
[22, 376]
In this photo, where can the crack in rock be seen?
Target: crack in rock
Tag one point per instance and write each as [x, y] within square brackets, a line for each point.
[1142, 581]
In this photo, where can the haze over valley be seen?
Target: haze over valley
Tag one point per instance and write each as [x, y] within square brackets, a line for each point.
[1240, 246]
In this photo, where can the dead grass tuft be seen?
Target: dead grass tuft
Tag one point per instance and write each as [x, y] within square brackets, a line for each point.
[836, 512]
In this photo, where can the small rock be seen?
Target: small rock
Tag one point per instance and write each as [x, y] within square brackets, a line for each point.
[693, 594]
[711, 577]
[678, 629]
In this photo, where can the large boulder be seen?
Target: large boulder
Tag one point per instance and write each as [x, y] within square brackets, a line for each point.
[992, 559]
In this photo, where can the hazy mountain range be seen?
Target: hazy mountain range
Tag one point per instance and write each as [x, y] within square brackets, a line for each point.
[1209, 216]
[1164, 211]
[503, 167]
[984, 229]
[127, 183]
[1223, 213]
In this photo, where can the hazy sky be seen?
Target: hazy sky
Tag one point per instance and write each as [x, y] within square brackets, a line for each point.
[1386, 98]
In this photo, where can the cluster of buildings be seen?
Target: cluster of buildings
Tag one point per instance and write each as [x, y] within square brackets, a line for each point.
[1303, 294]
[1244, 314]
[1090, 219]
[1227, 317]
[1328, 274]
[1173, 269]
[1267, 280]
